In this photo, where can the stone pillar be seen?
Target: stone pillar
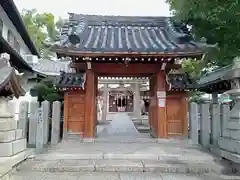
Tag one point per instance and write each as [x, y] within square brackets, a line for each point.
[23, 117]
[136, 101]
[56, 117]
[11, 138]
[46, 120]
[204, 125]
[225, 110]
[40, 138]
[215, 98]
[194, 122]
[32, 125]
[216, 123]
[105, 102]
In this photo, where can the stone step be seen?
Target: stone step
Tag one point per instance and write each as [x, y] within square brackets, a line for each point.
[114, 176]
[126, 156]
[124, 166]
[143, 129]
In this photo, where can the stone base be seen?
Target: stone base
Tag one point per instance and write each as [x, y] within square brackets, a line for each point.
[9, 149]
[229, 145]
[232, 134]
[8, 124]
[7, 164]
[11, 141]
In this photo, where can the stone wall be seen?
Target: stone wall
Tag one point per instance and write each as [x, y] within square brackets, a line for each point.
[207, 122]
[217, 128]
[36, 131]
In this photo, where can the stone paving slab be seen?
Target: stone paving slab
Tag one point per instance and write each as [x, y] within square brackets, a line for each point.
[180, 177]
[65, 166]
[118, 166]
[183, 167]
[131, 156]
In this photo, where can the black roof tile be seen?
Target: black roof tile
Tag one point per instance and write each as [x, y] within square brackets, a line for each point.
[125, 34]
[181, 81]
[70, 80]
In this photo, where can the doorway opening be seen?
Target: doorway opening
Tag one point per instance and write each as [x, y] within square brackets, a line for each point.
[124, 95]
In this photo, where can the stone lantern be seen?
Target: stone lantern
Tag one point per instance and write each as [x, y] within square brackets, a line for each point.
[231, 137]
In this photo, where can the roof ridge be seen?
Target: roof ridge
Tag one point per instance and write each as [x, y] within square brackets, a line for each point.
[127, 16]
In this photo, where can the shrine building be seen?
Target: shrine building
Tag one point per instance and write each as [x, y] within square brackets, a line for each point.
[150, 48]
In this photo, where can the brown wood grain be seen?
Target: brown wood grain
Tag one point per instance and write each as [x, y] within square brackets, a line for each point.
[90, 103]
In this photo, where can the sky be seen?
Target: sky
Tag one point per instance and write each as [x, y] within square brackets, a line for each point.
[98, 7]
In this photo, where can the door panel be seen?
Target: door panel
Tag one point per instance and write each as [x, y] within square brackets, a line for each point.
[175, 116]
[76, 109]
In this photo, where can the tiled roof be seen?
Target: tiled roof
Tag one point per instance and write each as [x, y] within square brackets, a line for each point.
[214, 77]
[9, 82]
[181, 81]
[51, 67]
[70, 80]
[125, 34]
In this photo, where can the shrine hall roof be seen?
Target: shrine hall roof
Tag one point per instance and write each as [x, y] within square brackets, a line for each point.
[125, 34]
[9, 80]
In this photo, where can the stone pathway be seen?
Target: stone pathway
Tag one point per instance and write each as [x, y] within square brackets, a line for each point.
[127, 160]
[121, 126]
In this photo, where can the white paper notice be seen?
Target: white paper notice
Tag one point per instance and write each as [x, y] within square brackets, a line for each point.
[161, 102]
[161, 94]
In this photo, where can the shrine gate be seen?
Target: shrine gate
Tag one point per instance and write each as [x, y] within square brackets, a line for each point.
[102, 46]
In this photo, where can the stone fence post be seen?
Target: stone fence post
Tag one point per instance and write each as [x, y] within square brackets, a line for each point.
[46, 120]
[194, 122]
[40, 130]
[56, 117]
[23, 117]
[204, 124]
[216, 123]
[225, 114]
[32, 125]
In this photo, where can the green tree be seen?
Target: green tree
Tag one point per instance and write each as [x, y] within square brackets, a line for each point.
[45, 91]
[43, 29]
[217, 21]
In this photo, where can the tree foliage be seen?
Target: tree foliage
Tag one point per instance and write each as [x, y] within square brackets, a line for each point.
[217, 21]
[45, 91]
[42, 27]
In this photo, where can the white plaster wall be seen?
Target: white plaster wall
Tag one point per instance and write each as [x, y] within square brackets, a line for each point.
[7, 24]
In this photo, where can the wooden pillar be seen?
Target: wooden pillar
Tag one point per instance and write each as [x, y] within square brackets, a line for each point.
[152, 106]
[90, 105]
[161, 111]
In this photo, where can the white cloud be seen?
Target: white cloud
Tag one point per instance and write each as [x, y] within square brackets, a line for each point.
[98, 7]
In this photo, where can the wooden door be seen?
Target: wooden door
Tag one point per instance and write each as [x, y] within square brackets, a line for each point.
[74, 112]
[176, 116]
